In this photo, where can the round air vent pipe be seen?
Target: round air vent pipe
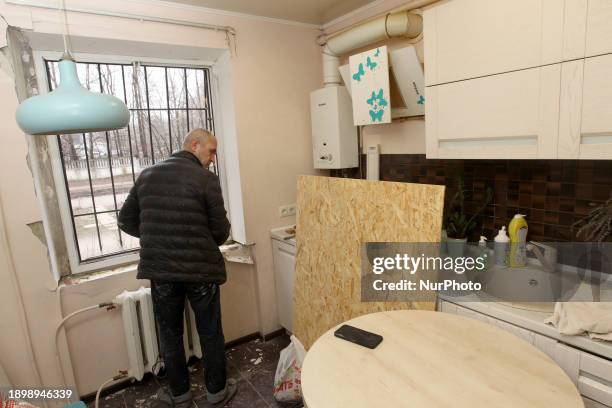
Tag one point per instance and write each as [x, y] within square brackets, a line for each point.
[399, 24]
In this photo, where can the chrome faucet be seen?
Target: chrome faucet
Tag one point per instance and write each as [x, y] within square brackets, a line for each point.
[548, 259]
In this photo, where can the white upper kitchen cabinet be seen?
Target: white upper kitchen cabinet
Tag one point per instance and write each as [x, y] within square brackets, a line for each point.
[518, 79]
[598, 27]
[588, 28]
[585, 127]
[507, 116]
[472, 38]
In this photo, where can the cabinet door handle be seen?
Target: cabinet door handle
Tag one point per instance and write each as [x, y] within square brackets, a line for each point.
[595, 390]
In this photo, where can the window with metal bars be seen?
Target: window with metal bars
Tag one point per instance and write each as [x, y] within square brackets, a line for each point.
[99, 169]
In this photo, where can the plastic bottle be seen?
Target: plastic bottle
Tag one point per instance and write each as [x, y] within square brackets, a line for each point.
[502, 247]
[483, 252]
[483, 241]
[518, 241]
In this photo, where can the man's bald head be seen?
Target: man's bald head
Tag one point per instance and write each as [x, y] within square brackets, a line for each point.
[199, 135]
[202, 144]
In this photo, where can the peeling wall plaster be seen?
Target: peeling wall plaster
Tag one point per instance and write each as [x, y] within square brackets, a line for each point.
[38, 231]
[23, 70]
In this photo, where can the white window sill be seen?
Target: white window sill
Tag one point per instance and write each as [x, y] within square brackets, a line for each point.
[234, 252]
[79, 278]
[237, 253]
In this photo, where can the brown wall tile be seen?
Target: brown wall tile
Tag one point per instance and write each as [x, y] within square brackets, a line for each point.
[552, 193]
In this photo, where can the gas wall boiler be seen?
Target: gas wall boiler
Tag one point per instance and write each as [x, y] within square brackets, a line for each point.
[334, 137]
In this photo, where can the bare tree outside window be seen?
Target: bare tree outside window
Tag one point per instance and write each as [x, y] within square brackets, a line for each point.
[100, 168]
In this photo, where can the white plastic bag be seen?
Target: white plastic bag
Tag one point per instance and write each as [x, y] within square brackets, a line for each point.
[287, 380]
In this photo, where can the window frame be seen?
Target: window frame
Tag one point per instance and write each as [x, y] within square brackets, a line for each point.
[130, 256]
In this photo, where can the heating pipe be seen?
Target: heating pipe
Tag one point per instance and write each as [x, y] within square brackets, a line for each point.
[107, 305]
[122, 374]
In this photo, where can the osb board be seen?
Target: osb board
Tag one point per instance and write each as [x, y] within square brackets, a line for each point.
[335, 216]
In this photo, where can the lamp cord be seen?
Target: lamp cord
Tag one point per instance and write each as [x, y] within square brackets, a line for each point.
[64, 23]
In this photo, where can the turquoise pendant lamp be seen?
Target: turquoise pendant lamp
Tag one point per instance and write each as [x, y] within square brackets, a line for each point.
[71, 108]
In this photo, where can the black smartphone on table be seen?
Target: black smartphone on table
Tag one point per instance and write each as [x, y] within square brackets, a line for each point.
[358, 336]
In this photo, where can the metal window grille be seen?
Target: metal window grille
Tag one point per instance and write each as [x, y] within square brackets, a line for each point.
[99, 169]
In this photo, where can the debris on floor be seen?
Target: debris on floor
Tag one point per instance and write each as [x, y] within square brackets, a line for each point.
[251, 364]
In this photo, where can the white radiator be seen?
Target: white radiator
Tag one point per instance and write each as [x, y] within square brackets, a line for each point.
[141, 334]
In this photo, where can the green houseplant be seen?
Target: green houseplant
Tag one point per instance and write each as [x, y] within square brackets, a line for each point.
[597, 225]
[458, 224]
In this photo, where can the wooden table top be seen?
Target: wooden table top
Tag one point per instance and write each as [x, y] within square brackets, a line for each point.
[433, 359]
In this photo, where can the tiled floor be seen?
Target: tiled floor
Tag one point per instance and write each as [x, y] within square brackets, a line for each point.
[252, 364]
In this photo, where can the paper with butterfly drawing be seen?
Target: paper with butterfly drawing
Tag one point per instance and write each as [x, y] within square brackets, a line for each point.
[370, 87]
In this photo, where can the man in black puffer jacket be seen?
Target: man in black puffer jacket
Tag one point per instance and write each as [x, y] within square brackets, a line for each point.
[176, 208]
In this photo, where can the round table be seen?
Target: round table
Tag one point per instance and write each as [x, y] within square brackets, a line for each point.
[432, 359]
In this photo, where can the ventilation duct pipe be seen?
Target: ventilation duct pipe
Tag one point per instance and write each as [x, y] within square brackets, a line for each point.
[399, 24]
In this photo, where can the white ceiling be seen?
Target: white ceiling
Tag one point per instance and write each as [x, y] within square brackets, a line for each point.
[305, 11]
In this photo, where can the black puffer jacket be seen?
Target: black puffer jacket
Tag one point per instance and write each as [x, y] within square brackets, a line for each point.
[176, 208]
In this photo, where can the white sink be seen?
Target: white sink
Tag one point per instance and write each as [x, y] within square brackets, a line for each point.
[530, 287]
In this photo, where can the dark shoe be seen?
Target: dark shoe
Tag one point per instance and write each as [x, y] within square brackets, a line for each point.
[225, 394]
[165, 399]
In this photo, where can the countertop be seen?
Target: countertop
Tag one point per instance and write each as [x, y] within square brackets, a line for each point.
[284, 234]
[533, 321]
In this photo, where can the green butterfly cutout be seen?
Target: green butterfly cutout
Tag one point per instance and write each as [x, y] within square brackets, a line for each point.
[371, 64]
[360, 72]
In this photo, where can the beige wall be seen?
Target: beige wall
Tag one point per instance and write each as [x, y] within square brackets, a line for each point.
[22, 257]
[276, 67]
[406, 136]
[273, 117]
